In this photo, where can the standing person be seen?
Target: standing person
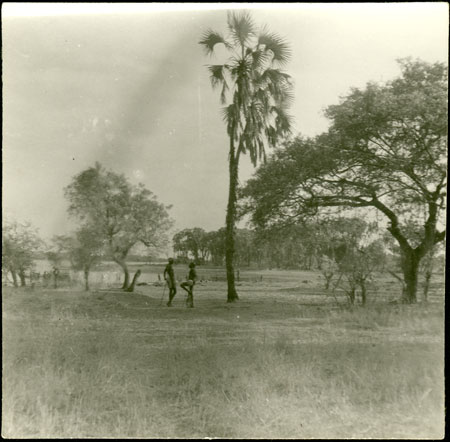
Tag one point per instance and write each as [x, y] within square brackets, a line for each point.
[189, 285]
[169, 276]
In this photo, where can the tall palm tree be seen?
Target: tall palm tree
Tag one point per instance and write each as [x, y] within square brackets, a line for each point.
[256, 93]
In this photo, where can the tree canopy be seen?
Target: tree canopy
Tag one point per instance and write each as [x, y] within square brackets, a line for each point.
[84, 249]
[20, 243]
[122, 213]
[192, 241]
[386, 148]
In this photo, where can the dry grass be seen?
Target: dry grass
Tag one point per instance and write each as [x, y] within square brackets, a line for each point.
[118, 365]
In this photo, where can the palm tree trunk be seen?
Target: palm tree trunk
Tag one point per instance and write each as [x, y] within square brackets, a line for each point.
[230, 226]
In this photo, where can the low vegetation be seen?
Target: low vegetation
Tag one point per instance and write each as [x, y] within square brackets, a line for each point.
[279, 364]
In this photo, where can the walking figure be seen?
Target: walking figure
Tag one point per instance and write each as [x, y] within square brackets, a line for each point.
[189, 285]
[169, 276]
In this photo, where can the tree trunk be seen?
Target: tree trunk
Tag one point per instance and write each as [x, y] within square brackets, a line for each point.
[426, 285]
[410, 267]
[126, 280]
[86, 280]
[23, 283]
[319, 264]
[351, 296]
[411, 257]
[363, 293]
[328, 277]
[428, 273]
[133, 283]
[14, 277]
[230, 226]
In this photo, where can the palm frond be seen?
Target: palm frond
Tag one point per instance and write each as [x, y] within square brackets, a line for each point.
[259, 59]
[241, 27]
[283, 121]
[223, 93]
[274, 43]
[272, 136]
[261, 149]
[282, 97]
[263, 99]
[230, 116]
[285, 99]
[218, 78]
[260, 92]
[279, 84]
[210, 39]
[276, 76]
[227, 113]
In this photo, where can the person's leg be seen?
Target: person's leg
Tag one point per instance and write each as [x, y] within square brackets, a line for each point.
[172, 293]
[185, 286]
[190, 301]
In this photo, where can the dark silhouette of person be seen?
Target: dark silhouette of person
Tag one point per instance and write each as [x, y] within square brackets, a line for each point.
[169, 276]
[189, 285]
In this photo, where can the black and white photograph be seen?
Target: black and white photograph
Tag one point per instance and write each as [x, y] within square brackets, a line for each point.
[224, 220]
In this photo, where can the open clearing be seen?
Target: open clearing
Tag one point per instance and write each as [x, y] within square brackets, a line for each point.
[286, 361]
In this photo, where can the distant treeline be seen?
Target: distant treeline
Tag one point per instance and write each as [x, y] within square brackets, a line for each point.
[299, 246]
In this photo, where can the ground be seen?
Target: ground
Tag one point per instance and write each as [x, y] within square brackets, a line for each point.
[285, 361]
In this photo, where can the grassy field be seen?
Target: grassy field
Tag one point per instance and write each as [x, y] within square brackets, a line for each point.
[286, 361]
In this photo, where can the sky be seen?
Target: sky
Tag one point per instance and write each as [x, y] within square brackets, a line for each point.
[127, 85]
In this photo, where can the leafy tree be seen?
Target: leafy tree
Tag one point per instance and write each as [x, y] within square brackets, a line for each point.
[123, 213]
[385, 149]
[20, 243]
[285, 246]
[180, 246]
[216, 245]
[192, 241]
[257, 92]
[427, 264]
[245, 245]
[84, 249]
[55, 257]
[336, 241]
[358, 266]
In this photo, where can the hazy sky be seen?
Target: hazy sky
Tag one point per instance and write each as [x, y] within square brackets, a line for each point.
[131, 91]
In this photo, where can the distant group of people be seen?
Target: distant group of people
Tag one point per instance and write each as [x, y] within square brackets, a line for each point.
[188, 285]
